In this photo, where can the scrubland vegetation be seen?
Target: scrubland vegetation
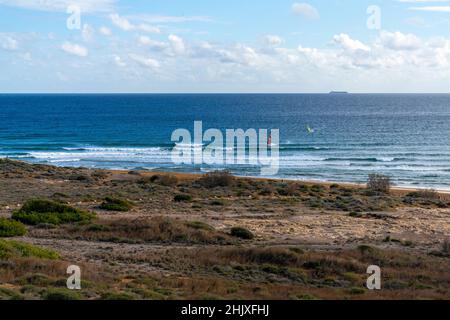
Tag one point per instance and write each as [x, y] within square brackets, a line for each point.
[166, 236]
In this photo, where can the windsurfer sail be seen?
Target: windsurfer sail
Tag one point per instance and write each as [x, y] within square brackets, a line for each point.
[309, 129]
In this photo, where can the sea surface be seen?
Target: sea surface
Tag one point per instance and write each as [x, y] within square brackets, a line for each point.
[404, 136]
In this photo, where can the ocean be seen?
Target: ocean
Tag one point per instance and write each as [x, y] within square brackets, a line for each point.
[404, 136]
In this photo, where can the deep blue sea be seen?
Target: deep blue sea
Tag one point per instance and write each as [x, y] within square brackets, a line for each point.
[404, 136]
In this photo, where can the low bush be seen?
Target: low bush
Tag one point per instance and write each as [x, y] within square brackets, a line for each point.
[164, 180]
[424, 194]
[271, 256]
[115, 204]
[267, 190]
[317, 188]
[217, 203]
[356, 290]
[14, 249]
[11, 228]
[61, 294]
[8, 294]
[97, 228]
[119, 296]
[290, 189]
[216, 179]
[182, 198]
[355, 214]
[38, 211]
[242, 233]
[199, 225]
[426, 198]
[157, 229]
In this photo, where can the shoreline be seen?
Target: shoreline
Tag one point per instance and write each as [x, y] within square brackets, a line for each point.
[192, 175]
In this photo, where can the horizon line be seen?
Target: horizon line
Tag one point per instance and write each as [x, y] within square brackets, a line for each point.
[224, 93]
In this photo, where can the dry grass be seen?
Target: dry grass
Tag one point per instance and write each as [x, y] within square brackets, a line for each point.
[142, 230]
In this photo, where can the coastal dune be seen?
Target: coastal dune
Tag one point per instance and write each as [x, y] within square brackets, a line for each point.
[173, 235]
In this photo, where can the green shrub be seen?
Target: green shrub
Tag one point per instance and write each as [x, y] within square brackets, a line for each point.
[119, 296]
[182, 198]
[425, 194]
[12, 249]
[9, 294]
[97, 228]
[217, 203]
[355, 214]
[115, 204]
[36, 279]
[37, 211]
[356, 290]
[61, 294]
[317, 188]
[199, 225]
[290, 189]
[242, 233]
[11, 228]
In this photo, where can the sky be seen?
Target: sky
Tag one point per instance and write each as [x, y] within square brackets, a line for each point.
[204, 46]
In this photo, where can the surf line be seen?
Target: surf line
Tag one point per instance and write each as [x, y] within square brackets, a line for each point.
[253, 147]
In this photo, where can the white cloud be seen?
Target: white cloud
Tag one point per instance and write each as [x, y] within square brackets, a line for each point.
[119, 62]
[120, 22]
[126, 25]
[177, 44]
[145, 61]
[432, 8]
[273, 40]
[105, 31]
[400, 41]
[74, 49]
[306, 10]
[86, 6]
[157, 45]
[348, 43]
[8, 42]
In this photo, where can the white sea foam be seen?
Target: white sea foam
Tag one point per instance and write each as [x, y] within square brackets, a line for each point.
[112, 154]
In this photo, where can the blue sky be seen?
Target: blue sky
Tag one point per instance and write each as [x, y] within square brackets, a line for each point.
[224, 46]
